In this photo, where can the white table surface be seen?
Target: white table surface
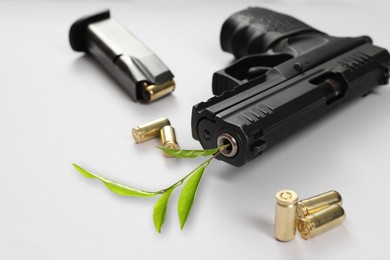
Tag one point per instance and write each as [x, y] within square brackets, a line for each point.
[59, 107]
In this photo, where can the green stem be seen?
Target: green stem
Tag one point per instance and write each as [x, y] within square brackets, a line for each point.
[180, 182]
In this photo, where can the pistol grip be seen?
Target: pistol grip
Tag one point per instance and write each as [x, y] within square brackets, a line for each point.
[255, 30]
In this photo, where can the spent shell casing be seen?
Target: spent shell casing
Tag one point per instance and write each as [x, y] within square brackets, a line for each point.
[285, 215]
[320, 221]
[168, 138]
[319, 202]
[145, 132]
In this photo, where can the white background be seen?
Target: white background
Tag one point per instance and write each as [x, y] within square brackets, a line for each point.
[59, 107]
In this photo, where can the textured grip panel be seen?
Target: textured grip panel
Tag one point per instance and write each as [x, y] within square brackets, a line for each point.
[254, 30]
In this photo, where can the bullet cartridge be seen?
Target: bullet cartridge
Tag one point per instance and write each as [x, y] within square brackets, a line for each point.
[145, 132]
[156, 91]
[319, 202]
[320, 221]
[285, 215]
[168, 138]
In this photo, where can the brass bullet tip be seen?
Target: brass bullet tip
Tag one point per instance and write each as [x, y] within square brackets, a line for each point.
[156, 91]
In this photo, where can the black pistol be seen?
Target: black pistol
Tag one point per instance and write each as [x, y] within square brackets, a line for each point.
[287, 74]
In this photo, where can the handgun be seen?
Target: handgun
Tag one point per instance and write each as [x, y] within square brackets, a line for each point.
[287, 75]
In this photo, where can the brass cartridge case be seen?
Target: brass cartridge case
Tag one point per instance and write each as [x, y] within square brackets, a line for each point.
[285, 215]
[320, 221]
[156, 91]
[145, 132]
[168, 138]
[319, 202]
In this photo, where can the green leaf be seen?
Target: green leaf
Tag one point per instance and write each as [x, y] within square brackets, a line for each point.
[116, 187]
[188, 192]
[189, 153]
[160, 209]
